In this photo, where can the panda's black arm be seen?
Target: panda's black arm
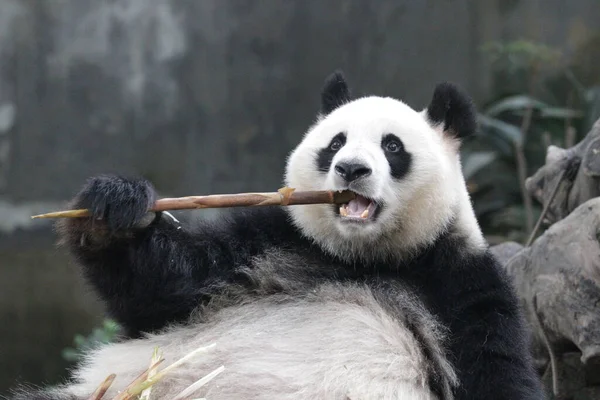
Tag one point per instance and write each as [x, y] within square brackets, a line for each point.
[153, 273]
[489, 343]
[149, 280]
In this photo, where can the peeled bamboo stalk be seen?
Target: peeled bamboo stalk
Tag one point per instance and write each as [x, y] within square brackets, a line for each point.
[137, 386]
[283, 197]
[154, 362]
[133, 388]
[101, 390]
[194, 387]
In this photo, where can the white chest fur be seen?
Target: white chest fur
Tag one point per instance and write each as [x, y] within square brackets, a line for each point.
[343, 346]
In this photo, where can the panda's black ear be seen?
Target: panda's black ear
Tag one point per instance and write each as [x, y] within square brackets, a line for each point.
[335, 92]
[454, 109]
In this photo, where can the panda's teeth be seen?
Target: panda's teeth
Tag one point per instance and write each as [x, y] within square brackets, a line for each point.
[343, 211]
[365, 214]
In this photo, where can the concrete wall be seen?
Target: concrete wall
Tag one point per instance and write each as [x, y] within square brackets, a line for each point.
[201, 97]
[216, 92]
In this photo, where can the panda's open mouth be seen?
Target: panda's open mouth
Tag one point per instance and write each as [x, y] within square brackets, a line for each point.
[359, 209]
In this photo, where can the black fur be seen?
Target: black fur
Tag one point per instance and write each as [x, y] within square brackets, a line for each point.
[400, 161]
[136, 197]
[326, 154]
[335, 92]
[155, 276]
[454, 109]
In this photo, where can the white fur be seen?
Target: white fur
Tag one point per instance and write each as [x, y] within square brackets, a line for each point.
[417, 207]
[338, 343]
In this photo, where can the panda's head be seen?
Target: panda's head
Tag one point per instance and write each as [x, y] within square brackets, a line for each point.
[403, 165]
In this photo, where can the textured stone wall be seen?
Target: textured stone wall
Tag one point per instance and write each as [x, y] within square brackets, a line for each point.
[201, 96]
[209, 96]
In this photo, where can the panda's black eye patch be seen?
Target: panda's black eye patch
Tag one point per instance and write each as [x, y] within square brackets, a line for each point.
[398, 158]
[325, 155]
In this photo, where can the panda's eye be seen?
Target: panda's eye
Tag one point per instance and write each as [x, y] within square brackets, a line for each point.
[335, 145]
[337, 142]
[393, 146]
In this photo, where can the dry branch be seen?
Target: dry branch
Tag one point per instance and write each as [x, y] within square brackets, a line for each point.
[283, 197]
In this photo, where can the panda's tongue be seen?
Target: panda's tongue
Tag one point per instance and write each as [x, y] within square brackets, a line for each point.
[357, 206]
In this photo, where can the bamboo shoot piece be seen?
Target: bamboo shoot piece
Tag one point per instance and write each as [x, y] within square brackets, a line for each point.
[101, 390]
[283, 197]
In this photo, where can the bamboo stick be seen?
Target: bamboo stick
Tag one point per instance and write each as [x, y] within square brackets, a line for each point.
[156, 357]
[283, 197]
[133, 388]
[198, 384]
[137, 387]
[101, 390]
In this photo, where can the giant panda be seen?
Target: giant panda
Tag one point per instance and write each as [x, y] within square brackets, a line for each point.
[393, 295]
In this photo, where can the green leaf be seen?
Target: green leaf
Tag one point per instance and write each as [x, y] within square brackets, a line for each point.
[475, 161]
[514, 103]
[577, 85]
[489, 207]
[563, 113]
[504, 148]
[79, 340]
[513, 216]
[98, 336]
[493, 126]
[111, 326]
[70, 354]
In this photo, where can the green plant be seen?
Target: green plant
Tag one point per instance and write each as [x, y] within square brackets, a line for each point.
[588, 99]
[101, 335]
[515, 129]
[492, 168]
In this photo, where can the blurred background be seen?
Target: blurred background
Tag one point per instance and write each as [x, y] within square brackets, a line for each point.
[209, 96]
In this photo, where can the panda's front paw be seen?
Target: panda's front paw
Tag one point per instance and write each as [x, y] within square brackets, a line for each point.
[117, 203]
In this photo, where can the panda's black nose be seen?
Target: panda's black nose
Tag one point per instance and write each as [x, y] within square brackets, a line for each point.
[351, 172]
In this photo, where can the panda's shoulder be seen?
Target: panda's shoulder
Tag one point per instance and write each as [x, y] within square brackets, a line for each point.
[476, 271]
